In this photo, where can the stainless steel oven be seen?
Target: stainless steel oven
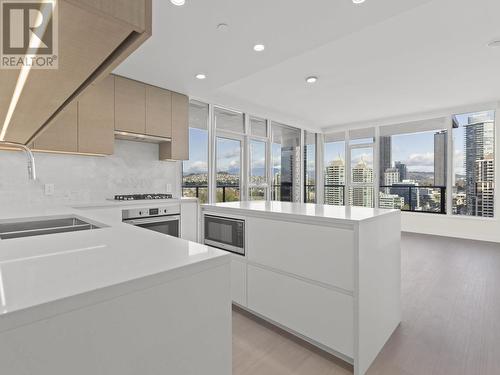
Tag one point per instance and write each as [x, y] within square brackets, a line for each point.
[165, 219]
[225, 233]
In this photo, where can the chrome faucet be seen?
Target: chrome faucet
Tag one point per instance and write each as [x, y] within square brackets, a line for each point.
[29, 156]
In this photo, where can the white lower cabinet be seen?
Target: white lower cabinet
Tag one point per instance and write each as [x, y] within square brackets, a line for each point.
[303, 307]
[189, 221]
[238, 280]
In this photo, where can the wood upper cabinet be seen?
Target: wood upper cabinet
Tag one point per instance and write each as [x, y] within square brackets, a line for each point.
[85, 126]
[62, 134]
[158, 112]
[178, 149]
[96, 118]
[94, 37]
[130, 105]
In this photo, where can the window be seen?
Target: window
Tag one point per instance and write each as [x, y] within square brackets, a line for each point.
[195, 170]
[361, 192]
[258, 127]
[309, 167]
[474, 164]
[229, 126]
[258, 170]
[286, 163]
[229, 120]
[228, 166]
[334, 169]
[413, 164]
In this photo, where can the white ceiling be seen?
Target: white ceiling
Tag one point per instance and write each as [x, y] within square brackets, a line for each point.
[381, 59]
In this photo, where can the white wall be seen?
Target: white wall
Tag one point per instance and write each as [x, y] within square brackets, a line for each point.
[474, 228]
[134, 168]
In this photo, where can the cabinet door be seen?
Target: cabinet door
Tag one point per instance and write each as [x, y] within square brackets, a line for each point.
[178, 149]
[130, 105]
[158, 112]
[61, 135]
[96, 118]
[189, 220]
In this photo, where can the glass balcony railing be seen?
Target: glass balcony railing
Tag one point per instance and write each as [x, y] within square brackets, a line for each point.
[310, 193]
[429, 199]
[196, 191]
[227, 193]
[224, 193]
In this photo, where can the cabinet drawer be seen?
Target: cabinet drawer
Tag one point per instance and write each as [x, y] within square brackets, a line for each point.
[238, 281]
[318, 313]
[319, 253]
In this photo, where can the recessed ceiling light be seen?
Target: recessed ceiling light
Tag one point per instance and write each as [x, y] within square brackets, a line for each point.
[222, 27]
[358, 1]
[201, 76]
[178, 2]
[311, 79]
[494, 43]
[259, 47]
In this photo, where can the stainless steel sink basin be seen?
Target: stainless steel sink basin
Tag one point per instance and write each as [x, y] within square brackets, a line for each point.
[31, 227]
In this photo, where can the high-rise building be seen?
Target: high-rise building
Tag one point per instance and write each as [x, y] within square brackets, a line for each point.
[385, 156]
[408, 190]
[479, 165]
[440, 158]
[391, 176]
[335, 175]
[403, 171]
[287, 165]
[391, 201]
[485, 187]
[362, 195]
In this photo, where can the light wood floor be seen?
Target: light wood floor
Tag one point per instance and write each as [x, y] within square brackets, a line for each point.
[451, 320]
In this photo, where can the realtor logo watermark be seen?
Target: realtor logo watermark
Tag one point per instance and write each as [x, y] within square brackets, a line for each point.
[29, 34]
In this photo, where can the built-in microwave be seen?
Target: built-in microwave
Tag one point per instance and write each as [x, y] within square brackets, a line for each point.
[225, 233]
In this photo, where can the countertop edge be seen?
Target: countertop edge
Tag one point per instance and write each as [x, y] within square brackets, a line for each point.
[306, 219]
[30, 314]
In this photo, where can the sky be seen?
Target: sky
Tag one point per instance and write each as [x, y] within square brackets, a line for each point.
[198, 152]
[228, 157]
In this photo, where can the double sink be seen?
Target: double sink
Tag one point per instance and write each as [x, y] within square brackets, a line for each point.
[36, 227]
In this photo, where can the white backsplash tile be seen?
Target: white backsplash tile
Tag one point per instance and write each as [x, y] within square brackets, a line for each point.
[134, 168]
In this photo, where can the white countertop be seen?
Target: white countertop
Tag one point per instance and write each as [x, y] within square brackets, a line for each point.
[300, 211]
[41, 269]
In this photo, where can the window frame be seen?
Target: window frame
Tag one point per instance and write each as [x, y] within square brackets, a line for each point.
[208, 130]
[233, 137]
[349, 183]
[251, 185]
[451, 161]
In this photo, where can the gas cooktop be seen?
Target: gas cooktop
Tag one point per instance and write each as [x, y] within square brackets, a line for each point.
[138, 197]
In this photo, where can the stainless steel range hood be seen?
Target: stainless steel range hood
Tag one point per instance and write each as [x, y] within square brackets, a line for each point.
[141, 137]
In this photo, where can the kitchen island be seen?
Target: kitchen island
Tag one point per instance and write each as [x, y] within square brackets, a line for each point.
[330, 275]
[118, 300]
